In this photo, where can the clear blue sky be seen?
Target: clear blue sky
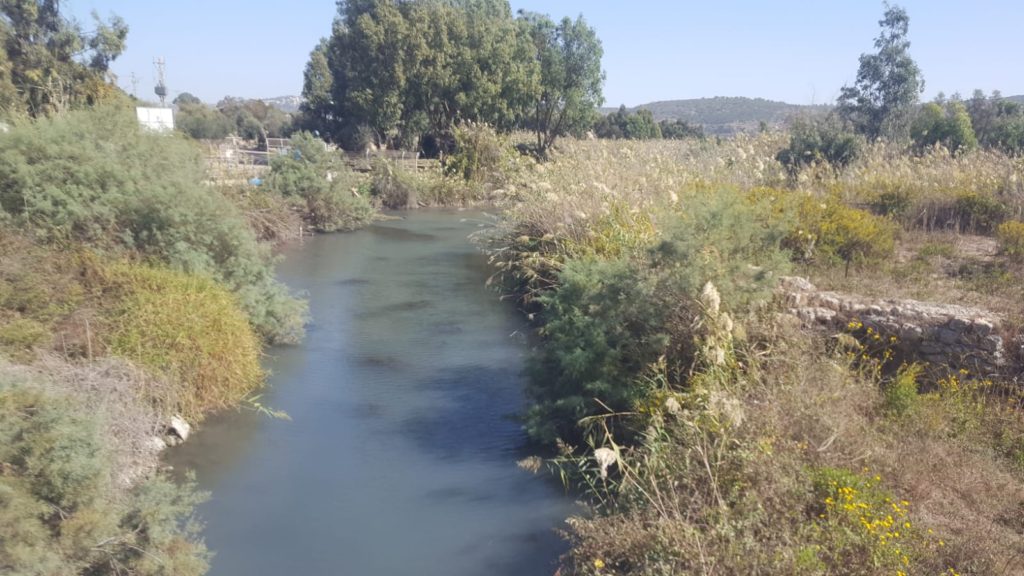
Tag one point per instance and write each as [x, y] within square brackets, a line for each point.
[791, 50]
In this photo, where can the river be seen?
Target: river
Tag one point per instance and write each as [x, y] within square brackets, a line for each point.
[399, 458]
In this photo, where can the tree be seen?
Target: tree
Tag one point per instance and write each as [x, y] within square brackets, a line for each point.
[53, 64]
[639, 125]
[186, 98]
[571, 78]
[316, 110]
[881, 103]
[945, 123]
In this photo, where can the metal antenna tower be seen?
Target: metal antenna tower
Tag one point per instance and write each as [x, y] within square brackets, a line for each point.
[161, 83]
[135, 84]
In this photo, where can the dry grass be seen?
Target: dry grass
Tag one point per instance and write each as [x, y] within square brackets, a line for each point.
[705, 492]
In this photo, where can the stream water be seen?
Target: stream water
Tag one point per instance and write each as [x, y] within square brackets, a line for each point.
[399, 458]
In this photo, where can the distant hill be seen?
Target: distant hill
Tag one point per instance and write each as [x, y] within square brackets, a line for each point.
[723, 115]
[289, 104]
[1016, 98]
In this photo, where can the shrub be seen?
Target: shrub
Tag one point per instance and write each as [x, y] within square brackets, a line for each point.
[324, 186]
[1011, 239]
[61, 512]
[814, 141]
[481, 155]
[188, 329]
[336, 207]
[393, 187]
[608, 321]
[833, 232]
[978, 213]
[901, 392]
[95, 177]
[949, 126]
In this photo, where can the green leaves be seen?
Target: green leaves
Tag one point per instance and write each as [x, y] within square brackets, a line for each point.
[881, 102]
[399, 70]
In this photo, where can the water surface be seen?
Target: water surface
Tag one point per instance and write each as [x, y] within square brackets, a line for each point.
[400, 455]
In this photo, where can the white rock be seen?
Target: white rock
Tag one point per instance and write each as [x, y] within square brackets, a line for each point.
[178, 427]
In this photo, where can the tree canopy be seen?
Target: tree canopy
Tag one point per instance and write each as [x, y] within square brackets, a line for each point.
[882, 101]
[48, 63]
[393, 72]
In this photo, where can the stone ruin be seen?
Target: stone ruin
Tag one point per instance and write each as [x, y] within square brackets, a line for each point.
[942, 335]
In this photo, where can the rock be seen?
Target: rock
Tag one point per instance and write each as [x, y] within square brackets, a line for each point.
[947, 336]
[796, 284]
[178, 428]
[992, 344]
[156, 445]
[983, 327]
[959, 324]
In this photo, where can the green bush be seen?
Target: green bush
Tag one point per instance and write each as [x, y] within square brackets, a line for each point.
[481, 154]
[813, 141]
[60, 510]
[901, 396]
[95, 177]
[609, 320]
[1011, 239]
[830, 231]
[188, 329]
[979, 214]
[322, 184]
[393, 187]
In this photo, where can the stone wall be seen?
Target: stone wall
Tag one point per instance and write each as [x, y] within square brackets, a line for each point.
[939, 334]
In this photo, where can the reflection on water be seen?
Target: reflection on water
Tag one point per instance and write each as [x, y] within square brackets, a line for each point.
[400, 455]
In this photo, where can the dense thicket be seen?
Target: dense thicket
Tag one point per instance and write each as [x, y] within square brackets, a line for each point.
[94, 177]
[393, 72]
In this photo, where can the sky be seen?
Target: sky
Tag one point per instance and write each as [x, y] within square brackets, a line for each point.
[790, 50]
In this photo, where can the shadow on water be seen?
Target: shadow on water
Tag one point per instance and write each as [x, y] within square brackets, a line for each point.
[400, 455]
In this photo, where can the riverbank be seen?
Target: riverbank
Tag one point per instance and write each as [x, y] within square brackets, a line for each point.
[133, 300]
[714, 431]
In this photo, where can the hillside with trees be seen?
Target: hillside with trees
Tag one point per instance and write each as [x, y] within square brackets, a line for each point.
[724, 116]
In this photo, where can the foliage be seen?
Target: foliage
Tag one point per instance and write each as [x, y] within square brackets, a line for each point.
[60, 510]
[609, 320]
[881, 102]
[202, 122]
[977, 213]
[254, 119]
[948, 125]
[52, 64]
[814, 141]
[324, 185]
[1011, 238]
[571, 78]
[680, 130]
[832, 231]
[481, 155]
[997, 122]
[638, 125]
[901, 394]
[393, 187]
[188, 329]
[94, 177]
[401, 70]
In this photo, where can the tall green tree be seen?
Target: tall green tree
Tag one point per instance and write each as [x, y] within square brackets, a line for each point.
[53, 64]
[315, 112]
[571, 79]
[882, 101]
